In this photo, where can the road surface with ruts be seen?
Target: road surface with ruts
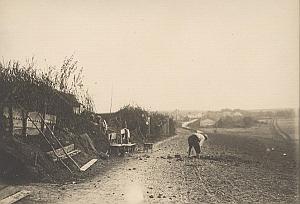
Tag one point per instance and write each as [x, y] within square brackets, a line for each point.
[232, 169]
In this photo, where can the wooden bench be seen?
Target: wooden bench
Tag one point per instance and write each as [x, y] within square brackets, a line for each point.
[70, 149]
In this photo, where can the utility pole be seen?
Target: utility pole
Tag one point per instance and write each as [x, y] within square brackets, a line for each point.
[111, 95]
[149, 126]
[200, 122]
[168, 129]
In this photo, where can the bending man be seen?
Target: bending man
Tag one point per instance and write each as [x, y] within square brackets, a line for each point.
[196, 140]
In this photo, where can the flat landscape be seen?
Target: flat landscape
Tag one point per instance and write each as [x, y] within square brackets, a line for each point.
[289, 126]
[102, 101]
[244, 167]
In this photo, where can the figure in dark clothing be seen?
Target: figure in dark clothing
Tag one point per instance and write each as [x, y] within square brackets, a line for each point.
[193, 141]
[196, 141]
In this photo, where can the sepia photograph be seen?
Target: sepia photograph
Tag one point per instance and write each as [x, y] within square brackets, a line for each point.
[139, 101]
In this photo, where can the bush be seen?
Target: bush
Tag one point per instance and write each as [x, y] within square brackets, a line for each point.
[136, 119]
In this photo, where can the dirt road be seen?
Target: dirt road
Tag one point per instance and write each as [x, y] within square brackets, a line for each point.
[226, 174]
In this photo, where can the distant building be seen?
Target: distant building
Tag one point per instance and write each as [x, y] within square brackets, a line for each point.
[195, 115]
[226, 113]
[207, 123]
[237, 114]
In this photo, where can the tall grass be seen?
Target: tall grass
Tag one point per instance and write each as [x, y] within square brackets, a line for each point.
[33, 88]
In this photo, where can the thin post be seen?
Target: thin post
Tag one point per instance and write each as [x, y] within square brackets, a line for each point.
[46, 140]
[44, 116]
[24, 123]
[168, 130]
[1, 118]
[50, 144]
[11, 120]
[149, 128]
[111, 95]
[59, 142]
[35, 160]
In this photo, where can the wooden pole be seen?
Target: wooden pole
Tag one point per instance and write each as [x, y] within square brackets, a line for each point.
[49, 144]
[1, 118]
[11, 120]
[35, 160]
[149, 128]
[168, 129]
[44, 108]
[59, 142]
[111, 95]
[47, 140]
[24, 122]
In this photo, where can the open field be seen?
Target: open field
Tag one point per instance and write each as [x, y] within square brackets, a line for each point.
[262, 130]
[289, 126]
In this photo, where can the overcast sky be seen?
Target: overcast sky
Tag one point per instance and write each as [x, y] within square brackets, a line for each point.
[166, 54]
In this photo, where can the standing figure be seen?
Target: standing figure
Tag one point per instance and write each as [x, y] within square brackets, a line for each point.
[125, 133]
[104, 126]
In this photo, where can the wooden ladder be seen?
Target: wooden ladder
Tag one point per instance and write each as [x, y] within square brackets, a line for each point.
[47, 140]
[84, 167]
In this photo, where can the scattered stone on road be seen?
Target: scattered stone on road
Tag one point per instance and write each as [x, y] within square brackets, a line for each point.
[219, 177]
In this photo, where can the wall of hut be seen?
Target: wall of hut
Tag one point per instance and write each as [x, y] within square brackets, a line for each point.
[17, 121]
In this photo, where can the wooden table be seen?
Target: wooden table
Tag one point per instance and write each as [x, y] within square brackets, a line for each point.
[122, 148]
